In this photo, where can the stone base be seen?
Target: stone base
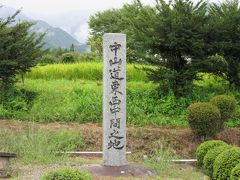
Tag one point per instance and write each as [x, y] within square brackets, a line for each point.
[4, 174]
[129, 170]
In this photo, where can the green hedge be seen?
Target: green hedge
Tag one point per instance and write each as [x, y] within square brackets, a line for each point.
[226, 104]
[66, 174]
[210, 157]
[225, 163]
[203, 118]
[235, 174]
[203, 149]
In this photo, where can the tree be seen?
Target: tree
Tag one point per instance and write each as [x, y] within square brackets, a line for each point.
[176, 37]
[224, 36]
[72, 48]
[119, 21]
[20, 49]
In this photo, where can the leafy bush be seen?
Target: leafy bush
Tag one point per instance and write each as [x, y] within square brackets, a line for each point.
[16, 101]
[235, 174]
[68, 58]
[210, 157]
[225, 163]
[203, 149]
[48, 59]
[88, 57]
[203, 118]
[67, 140]
[66, 174]
[226, 105]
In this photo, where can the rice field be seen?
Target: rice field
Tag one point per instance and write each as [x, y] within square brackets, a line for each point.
[83, 70]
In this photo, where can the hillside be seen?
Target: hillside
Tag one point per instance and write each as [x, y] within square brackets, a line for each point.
[55, 36]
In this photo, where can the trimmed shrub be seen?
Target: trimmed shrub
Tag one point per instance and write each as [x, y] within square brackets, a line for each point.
[225, 162]
[66, 174]
[210, 157]
[68, 58]
[203, 149]
[203, 118]
[235, 174]
[226, 104]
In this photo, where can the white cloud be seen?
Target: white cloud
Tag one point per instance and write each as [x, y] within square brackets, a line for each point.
[82, 33]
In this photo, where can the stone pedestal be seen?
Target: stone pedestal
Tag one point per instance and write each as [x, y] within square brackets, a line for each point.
[5, 164]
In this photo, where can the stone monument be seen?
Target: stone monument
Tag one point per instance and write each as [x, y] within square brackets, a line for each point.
[114, 99]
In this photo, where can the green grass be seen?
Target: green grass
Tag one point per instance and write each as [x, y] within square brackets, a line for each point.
[82, 70]
[73, 92]
[81, 101]
[39, 146]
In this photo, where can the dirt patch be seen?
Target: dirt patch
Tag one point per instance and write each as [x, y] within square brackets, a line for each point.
[142, 140]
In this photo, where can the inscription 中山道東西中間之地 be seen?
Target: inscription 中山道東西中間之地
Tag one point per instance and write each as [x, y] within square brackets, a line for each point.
[115, 102]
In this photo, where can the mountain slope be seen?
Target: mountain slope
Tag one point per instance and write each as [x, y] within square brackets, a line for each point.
[55, 37]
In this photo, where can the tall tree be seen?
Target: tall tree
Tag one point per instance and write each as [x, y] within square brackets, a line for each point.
[119, 21]
[224, 36]
[20, 49]
[72, 48]
[176, 38]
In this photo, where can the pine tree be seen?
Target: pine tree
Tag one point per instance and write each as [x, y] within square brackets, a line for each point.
[20, 49]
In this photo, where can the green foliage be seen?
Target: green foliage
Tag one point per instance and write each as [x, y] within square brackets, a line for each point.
[225, 163]
[48, 59]
[68, 58]
[120, 20]
[215, 64]
[203, 149]
[20, 49]
[210, 157]
[66, 174]
[39, 146]
[183, 36]
[175, 36]
[86, 57]
[15, 101]
[235, 174]
[226, 104]
[81, 100]
[204, 119]
[224, 36]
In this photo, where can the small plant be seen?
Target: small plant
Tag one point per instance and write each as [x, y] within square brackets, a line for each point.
[235, 174]
[68, 58]
[203, 149]
[66, 174]
[160, 160]
[210, 157]
[203, 118]
[225, 163]
[67, 141]
[226, 104]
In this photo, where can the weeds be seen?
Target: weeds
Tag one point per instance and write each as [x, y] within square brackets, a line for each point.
[39, 146]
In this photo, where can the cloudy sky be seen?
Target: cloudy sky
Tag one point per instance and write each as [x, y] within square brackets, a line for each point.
[70, 15]
[54, 7]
